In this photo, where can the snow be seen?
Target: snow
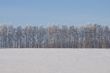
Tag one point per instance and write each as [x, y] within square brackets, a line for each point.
[54, 61]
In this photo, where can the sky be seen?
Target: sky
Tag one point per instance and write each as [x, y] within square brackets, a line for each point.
[49, 12]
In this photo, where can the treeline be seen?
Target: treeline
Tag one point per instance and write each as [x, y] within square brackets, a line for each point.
[88, 36]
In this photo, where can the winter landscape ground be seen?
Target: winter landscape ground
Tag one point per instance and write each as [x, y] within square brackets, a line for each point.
[54, 61]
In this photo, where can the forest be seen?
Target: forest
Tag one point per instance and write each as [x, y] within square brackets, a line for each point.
[54, 36]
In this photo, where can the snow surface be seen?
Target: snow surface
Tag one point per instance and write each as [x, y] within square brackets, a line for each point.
[54, 61]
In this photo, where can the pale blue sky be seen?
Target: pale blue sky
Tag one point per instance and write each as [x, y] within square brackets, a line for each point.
[42, 12]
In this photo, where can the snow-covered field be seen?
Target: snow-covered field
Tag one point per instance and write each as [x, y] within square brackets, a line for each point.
[54, 61]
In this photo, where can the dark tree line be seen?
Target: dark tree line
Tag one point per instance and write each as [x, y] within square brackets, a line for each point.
[89, 36]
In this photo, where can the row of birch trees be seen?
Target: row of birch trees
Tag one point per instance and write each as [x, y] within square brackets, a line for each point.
[88, 36]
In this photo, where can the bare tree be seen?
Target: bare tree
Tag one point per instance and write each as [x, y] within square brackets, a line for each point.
[89, 36]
